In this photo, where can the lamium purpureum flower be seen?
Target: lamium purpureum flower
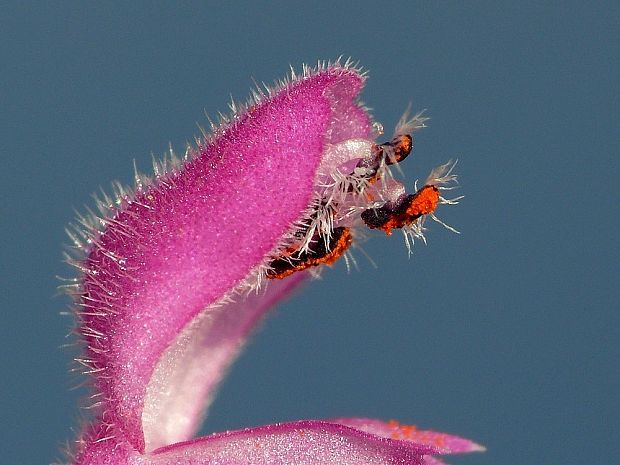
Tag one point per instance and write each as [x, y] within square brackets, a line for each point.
[176, 272]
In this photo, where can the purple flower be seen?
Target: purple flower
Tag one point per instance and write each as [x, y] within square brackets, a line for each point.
[175, 273]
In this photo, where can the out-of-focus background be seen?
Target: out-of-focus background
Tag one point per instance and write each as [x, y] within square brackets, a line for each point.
[508, 333]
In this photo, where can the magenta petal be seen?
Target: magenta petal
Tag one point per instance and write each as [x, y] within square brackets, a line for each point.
[298, 443]
[444, 443]
[432, 460]
[183, 243]
[306, 442]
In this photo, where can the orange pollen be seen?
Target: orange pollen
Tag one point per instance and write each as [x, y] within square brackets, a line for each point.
[425, 202]
[402, 146]
[391, 224]
[400, 431]
[337, 251]
[342, 243]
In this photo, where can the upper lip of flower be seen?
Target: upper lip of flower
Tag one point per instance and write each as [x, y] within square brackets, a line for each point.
[161, 304]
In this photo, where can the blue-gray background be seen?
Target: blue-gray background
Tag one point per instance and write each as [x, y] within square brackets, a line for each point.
[508, 333]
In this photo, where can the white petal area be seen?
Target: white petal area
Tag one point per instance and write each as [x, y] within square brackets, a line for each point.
[343, 154]
[186, 377]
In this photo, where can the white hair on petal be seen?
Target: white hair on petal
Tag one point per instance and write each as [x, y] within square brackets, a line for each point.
[410, 124]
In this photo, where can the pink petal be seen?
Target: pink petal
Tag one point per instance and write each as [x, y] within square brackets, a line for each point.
[183, 243]
[346, 441]
[298, 443]
[444, 443]
[432, 460]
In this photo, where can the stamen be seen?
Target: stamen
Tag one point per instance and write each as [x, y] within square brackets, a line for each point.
[406, 210]
[356, 183]
[286, 265]
[388, 153]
